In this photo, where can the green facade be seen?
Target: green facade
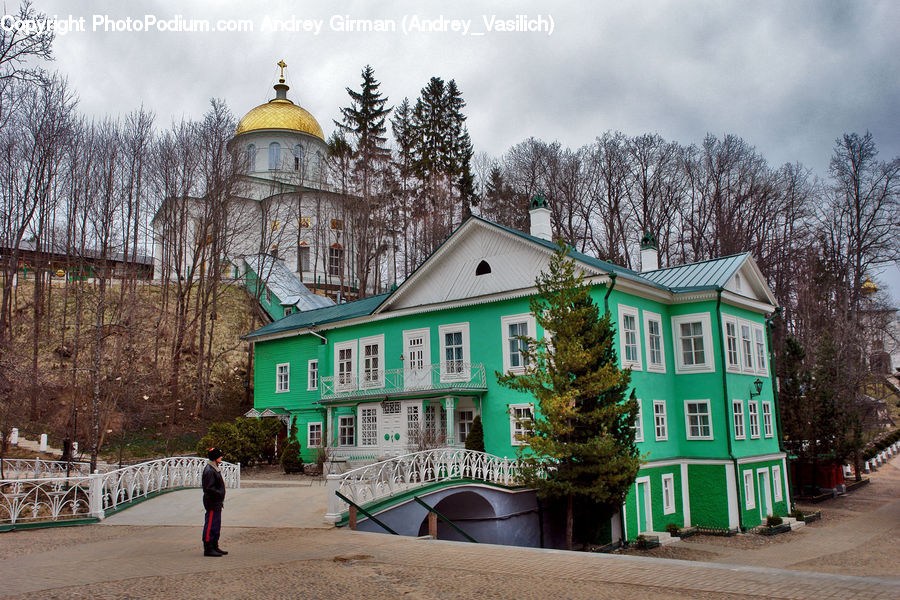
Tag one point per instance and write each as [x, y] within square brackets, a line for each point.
[703, 452]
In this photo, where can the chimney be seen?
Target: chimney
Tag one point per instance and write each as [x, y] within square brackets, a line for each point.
[649, 254]
[540, 218]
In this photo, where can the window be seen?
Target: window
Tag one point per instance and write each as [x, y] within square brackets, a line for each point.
[298, 157]
[697, 420]
[251, 157]
[346, 430]
[668, 492]
[335, 260]
[303, 259]
[368, 426]
[639, 423]
[731, 346]
[304, 222]
[268, 296]
[628, 336]
[512, 327]
[759, 338]
[276, 224]
[288, 310]
[282, 377]
[737, 407]
[776, 483]
[412, 424]
[372, 350]
[274, 156]
[520, 417]
[483, 268]
[746, 347]
[464, 424]
[656, 359]
[346, 369]
[454, 340]
[749, 493]
[312, 375]
[320, 167]
[753, 418]
[435, 424]
[693, 340]
[767, 419]
[313, 435]
[659, 420]
[337, 224]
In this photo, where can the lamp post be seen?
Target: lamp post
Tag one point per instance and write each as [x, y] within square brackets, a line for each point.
[757, 385]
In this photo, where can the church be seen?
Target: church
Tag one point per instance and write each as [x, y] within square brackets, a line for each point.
[288, 240]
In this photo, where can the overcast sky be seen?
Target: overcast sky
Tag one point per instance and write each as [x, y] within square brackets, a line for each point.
[789, 77]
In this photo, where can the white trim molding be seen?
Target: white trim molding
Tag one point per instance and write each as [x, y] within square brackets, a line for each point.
[708, 364]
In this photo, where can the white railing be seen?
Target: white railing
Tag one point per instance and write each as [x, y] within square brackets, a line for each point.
[442, 376]
[38, 468]
[380, 480]
[59, 497]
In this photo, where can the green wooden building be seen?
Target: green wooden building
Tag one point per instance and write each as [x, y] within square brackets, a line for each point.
[385, 375]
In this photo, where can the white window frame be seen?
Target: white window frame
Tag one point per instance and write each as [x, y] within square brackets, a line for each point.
[759, 349]
[312, 375]
[660, 421]
[365, 382]
[515, 428]
[351, 378]
[732, 366]
[747, 360]
[740, 426]
[768, 429]
[342, 427]
[708, 366]
[530, 327]
[460, 438]
[776, 484]
[668, 493]
[653, 367]
[639, 422]
[634, 364]
[282, 378]
[753, 419]
[371, 411]
[309, 434]
[749, 490]
[687, 420]
[463, 375]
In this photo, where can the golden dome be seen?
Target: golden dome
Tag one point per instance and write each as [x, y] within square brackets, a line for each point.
[280, 113]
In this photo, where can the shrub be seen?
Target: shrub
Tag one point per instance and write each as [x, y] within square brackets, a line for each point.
[475, 439]
[672, 529]
[226, 437]
[797, 514]
[773, 521]
[291, 461]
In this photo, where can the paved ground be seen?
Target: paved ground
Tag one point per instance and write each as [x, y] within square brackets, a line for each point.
[279, 550]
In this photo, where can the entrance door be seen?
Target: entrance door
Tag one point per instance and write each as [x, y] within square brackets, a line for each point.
[392, 424]
[416, 360]
[765, 496]
[642, 500]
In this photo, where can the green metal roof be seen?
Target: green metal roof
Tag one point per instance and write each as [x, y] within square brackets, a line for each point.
[705, 275]
[320, 316]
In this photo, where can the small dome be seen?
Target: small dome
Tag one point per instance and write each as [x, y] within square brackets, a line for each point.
[280, 113]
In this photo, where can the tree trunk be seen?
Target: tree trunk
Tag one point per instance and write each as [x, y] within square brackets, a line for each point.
[569, 522]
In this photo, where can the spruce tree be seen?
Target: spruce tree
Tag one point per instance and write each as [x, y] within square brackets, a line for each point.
[475, 438]
[580, 443]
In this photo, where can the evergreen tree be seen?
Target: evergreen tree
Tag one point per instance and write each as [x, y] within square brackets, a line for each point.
[475, 439]
[581, 440]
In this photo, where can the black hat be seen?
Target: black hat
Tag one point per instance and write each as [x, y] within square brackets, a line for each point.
[214, 453]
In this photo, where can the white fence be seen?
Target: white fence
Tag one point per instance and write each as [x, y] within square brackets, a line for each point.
[56, 497]
[398, 474]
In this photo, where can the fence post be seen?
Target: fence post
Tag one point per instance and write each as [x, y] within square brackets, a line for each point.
[43, 446]
[14, 436]
[332, 482]
[96, 495]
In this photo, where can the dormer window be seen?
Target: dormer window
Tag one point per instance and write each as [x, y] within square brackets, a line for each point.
[483, 268]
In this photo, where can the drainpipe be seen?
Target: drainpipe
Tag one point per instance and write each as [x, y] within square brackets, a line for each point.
[729, 423]
[318, 335]
[612, 284]
[770, 325]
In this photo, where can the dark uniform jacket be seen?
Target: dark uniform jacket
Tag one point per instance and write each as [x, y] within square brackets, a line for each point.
[213, 488]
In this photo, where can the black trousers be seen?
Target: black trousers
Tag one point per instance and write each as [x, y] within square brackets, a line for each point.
[212, 524]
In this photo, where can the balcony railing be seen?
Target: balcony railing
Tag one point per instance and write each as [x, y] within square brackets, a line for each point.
[452, 375]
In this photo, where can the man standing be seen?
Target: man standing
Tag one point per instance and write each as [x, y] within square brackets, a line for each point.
[213, 499]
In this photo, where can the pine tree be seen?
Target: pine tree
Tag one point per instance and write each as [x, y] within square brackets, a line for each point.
[581, 439]
[475, 438]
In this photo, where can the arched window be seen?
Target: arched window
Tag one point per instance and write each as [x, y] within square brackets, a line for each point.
[274, 156]
[483, 268]
[320, 168]
[298, 157]
[251, 157]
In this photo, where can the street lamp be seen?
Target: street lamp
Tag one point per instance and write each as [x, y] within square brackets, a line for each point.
[757, 385]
